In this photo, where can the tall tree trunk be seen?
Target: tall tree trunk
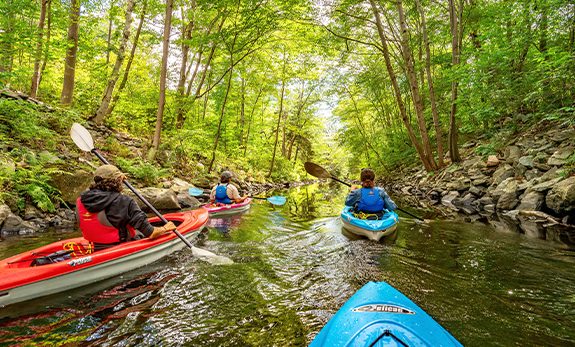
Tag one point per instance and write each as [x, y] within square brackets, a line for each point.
[242, 111]
[414, 86]
[278, 126]
[103, 109]
[454, 20]
[129, 64]
[400, 104]
[222, 114]
[164, 72]
[431, 89]
[47, 50]
[186, 36]
[36, 76]
[70, 63]
[250, 122]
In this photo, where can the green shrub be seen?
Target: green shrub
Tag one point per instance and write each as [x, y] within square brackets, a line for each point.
[141, 170]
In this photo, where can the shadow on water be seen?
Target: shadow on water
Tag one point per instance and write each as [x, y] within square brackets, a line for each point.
[295, 267]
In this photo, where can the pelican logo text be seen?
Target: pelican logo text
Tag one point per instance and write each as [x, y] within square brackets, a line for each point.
[79, 261]
[383, 309]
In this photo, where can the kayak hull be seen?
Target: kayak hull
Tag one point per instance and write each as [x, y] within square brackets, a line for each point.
[19, 282]
[372, 229]
[228, 210]
[378, 315]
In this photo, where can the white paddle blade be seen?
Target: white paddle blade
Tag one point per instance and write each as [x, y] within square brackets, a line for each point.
[211, 257]
[82, 137]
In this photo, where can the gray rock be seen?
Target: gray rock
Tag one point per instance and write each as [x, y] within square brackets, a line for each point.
[460, 185]
[527, 142]
[527, 161]
[73, 185]
[560, 136]
[559, 156]
[477, 191]
[545, 186]
[561, 198]
[508, 200]
[524, 186]
[187, 201]
[4, 213]
[520, 170]
[32, 212]
[448, 199]
[549, 175]
[471, 162]
[161, 199]
[531, 174]
[502, 173]
[512, 154]
[532, 202]
[502, 188]
[485, 181]
[14, 223]
[486, 200]
[489, 208]
[542, 166]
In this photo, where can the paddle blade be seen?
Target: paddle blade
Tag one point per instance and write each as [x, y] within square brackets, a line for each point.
[82, 137]
[316, 170]
[277, 200]
[195, 191]
[211, 257]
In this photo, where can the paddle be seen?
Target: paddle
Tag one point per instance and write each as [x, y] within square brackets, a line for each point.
[276, 200]
[83, 140]
[320, 172]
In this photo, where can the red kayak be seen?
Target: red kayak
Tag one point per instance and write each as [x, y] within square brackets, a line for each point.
[71, 263]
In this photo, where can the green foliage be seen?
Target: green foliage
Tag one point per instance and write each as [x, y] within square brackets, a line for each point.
[139, 169]
[112, 145]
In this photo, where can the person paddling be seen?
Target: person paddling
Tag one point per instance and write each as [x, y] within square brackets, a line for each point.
[108, 218]
[226, 193]
[369, 201]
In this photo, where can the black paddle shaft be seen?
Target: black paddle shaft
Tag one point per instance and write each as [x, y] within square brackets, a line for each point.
[349, 185]
[145, 202]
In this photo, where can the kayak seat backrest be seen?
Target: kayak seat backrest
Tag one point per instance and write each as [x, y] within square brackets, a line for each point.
[161, 224]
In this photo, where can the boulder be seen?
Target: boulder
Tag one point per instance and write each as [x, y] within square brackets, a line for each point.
[471, 162]
[559, 156]
[492, 160]
[484, 181]
[508, 199]
[542, 166]
[532, 202]
[448, 199]
[561, 198]
[502, 173]
[549, 175]
[32, 212]
[477, 191]
[545, 186]
[161, 199]
[560, 136]
[460, 184]
[502, 188]
[71, 186]
[14, 223]
[187, 201]
[527, 161]
[4, 213]
[531, 174]
[512, 154]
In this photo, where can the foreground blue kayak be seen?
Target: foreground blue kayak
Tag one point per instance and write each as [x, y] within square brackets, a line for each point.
[372, 229]
[378, 315]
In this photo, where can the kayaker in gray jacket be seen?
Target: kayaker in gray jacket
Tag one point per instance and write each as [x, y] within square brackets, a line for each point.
[368, 198]
[108, 218]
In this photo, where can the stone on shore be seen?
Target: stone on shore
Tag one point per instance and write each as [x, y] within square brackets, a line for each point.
[508, 199]
[492, 160]
[161, 199]
[448, 199]
[73, 185]
[532, 202]
[561, 198]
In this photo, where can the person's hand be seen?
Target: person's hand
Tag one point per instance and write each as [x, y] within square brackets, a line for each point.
[170, 226]
[353, 187]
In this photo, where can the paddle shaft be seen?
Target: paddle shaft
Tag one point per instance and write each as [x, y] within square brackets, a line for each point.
[146, 202]
[349, 185]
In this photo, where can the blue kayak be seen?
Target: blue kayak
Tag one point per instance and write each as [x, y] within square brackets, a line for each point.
[372, 229]
[378, 315]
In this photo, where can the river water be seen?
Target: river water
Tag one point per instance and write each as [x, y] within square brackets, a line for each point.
[295, 267]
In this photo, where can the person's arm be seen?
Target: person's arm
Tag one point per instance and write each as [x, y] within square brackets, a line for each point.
[387, 202]
[234, 194]
[213, 194]
[138, 220]
[353, 197]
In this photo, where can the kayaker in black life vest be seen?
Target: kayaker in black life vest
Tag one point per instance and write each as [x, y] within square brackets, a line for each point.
[369, 199]
[108, 218]
[226, 193]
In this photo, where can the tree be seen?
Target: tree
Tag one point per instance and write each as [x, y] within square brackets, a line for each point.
[70, 63]
[36, 76]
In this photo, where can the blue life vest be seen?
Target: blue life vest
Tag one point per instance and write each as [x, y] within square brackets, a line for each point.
[222, 195]
[370, 200]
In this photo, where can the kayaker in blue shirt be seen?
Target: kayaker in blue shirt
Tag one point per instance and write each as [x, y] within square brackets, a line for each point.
[369, 199]
[226, 193]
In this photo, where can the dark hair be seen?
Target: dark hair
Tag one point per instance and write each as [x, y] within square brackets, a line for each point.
[225, 179]
[112, 185]
[367, 178]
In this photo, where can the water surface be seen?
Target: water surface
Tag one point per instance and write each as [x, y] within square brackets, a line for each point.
[295, 267]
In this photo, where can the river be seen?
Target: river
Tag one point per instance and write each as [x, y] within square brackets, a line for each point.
[294, 268]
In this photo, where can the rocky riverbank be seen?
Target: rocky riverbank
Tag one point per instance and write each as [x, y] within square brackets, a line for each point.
[530, 183]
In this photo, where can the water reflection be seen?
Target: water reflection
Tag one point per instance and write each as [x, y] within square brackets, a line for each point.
[295, 267]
